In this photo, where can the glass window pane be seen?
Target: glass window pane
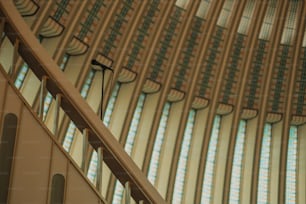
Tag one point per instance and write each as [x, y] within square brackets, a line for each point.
[92, 169]
[69, 136]
[237, 164]
[210, 161]
[182, 163]
[264, 168]
[118, 193]
[154, 162]
[21, 75]
[291, 166]
[111, 105]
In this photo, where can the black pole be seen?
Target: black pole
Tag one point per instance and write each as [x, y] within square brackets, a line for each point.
[102, 95]
[103, 68]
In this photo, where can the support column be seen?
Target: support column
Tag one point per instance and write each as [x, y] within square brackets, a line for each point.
[127, 193]
[42, 95]
[247, 177]
[84, 150]
[15, 57]
[252, 36]
[99, 168]
[275, 39]
[56, 114]
[2, 23]
[275, 162]
[221, 159]
[297, 42]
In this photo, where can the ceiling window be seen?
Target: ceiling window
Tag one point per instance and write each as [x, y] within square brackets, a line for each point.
[291, 166]
[118, 193]
[264, 168]
[154, 162]
[237, 164]
[210, 161]
[183, 158]
[111, 105]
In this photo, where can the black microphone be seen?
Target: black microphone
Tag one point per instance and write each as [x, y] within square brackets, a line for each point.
[95, 62]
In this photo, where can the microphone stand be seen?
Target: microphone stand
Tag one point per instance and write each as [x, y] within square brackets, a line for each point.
[102, 93]
[103, 68]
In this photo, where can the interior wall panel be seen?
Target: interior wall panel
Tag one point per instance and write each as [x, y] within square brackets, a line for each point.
[77, 190]
[32, 155]
[37, 158]
[12, 103]
[3, 90]
[141, 141]
[275, 161]
[6, 56]
[125, 95]
[247, 170]
[59, 164]
[30, 90]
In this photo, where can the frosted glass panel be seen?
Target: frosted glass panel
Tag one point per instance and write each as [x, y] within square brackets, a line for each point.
[118, 194]
[237, 164]
[264, 168]
[291, 166]
[182, 163]
[154, 162]
[210, 161]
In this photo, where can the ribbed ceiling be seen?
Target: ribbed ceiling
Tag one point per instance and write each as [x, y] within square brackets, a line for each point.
[184, 45]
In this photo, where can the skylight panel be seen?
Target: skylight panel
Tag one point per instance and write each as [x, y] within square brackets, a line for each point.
[264, 167]
[203, 9]
[237, 164]
[269, 19]
[225, 13]
[182, 163]
[290, 24]
[210, 162]
[291, 166]
[154, 162]
[246, 17]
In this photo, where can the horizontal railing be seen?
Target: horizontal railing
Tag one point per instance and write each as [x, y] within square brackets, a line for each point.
[68, 99]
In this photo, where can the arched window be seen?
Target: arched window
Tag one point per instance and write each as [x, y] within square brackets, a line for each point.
[57, 189]
[6, 153]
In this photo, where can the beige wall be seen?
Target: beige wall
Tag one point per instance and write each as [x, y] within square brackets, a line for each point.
[37, 157]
